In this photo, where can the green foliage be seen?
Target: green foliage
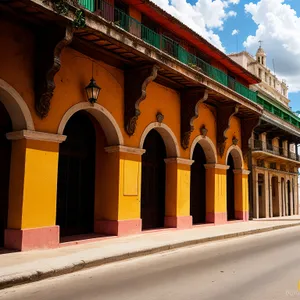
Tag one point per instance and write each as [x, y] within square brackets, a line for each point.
[79, 21]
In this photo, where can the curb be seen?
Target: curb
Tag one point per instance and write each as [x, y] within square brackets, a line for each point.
[48, 272]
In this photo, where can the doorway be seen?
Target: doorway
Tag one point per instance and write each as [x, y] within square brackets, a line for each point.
[153, 182]
[76, 177]
[230, 189]
[198, 186]
[5, 153]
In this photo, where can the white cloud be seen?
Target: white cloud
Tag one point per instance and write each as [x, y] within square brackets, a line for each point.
[278, 26]
[232, 13]
[204, 17]
[234, 32]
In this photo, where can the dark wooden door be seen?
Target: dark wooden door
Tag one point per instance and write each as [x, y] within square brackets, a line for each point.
[76, 177]
[198, 186]
[230, 189]
[153, 182]
[5, 152]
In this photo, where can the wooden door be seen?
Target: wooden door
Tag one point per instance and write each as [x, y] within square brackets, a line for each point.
[198, 186]
[230, 189]
[153, 182]
[76, 177]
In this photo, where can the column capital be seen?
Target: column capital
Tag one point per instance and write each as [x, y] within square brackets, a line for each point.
[124, 149]
[216, 166]
[241, 171]
[179, 160]
[36, 135]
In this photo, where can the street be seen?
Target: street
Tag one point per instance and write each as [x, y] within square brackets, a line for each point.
[261, 267]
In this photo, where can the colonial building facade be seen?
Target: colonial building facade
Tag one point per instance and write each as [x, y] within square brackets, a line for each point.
[163, 144]
[275, 159]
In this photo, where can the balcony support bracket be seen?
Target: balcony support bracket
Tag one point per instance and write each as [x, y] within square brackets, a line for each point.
[135, 85]
[47, 63]
[248, 125]
[224, 115]
[190, 100]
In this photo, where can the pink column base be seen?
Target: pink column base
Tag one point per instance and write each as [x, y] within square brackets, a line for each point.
[242, 215]
[119, 228]
[33, 238]
[181, 222]
[216, 217]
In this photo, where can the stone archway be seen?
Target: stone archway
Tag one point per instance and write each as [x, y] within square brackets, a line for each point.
[203, 152]
[234, 184]
[16, 107]
[167, 135]
[14, 115]
[91, 130]
[102, 115]
[160, 143]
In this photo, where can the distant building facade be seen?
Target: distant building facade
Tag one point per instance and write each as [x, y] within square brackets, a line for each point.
[274, 146]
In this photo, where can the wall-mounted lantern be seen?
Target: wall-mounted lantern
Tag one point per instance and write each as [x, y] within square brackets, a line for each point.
[92, 91]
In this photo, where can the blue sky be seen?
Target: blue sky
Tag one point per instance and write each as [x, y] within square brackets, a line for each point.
[244, 23]
[275, 22]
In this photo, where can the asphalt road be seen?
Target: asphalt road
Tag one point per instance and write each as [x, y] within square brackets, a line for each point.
[257, 267]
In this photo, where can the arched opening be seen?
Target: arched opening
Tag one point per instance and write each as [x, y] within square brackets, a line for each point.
[198, 186]
[275, 196]
[5, 152]
[289, 204]
[261, 196]
[230, 189]
[153, 181]
[76, 177]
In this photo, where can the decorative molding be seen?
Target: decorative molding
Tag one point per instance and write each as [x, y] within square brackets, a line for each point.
[203, 130]
[241, 171]
[190, 100]
[36, 135]
[224, 113]
[178, 160]
[235, 141]
[124, 149]
[135, 85]
[47, 64]
[216, 166]
[159, 117]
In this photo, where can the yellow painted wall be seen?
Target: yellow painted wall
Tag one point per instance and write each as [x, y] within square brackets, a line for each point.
[118, 176]
[34, 180]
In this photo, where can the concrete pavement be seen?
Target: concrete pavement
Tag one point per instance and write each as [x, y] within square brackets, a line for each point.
[263, 266]
[19, 268]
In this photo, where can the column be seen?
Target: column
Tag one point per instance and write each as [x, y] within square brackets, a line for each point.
[292, 195]
[270, 196]
[255, 193]
[178, 175]
[280, 196]
[286, 196]
[275, 143]
[267, 194]
[285, 148]
[283, 196]
[263, 138]
[296, 196]
[241, 199]
[216, 194]
[32, 195]
[120, 212]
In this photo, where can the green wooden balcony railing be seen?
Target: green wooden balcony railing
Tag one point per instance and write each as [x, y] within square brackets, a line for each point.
[121, 19]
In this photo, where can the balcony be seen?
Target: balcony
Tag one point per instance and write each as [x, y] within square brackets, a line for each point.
[260, 146]
[163, 43]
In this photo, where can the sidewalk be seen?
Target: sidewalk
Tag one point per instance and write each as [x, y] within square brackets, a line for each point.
[23, 267]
